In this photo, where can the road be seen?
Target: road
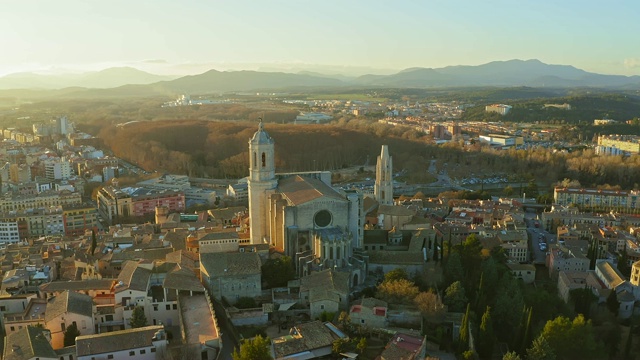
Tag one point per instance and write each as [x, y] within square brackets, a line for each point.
[229, 343]
[538, 235]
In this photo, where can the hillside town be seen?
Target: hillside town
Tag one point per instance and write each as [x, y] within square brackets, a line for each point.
[95, 270]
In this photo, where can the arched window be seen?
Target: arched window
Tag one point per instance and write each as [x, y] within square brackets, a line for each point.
[264, 159]
[255, 160]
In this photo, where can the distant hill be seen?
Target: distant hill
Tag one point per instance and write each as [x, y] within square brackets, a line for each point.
[128, 82]
[500, 73]
[107, 78]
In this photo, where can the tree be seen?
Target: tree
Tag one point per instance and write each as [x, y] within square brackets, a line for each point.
[430, 305]
[398, 292]
[623, 262]
[70, 335]
[338, 346]
[486, 338]
[582, 300]
[464, 329]
[572, 339]
[508, 307]
[138, 318]
[278, 272]
[362, 345]
[508, 190]
[94, 242]
[396, 274]
[455, 298]
[540, 350]
[511, 355]
[453, 270]
[436, 256]
[612, 302]
[257, 348]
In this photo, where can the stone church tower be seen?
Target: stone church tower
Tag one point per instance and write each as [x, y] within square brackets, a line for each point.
[383, 189]
[262, 180]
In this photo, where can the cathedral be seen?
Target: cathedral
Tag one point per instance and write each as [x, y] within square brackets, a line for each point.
[302, 215]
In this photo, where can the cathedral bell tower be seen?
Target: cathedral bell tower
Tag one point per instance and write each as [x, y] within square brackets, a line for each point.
[262, 178]
[383, 188]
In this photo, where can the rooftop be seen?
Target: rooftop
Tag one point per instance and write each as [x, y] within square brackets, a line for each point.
[197, 319]
[117, 340]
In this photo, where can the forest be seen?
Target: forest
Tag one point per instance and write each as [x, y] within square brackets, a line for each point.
[219, 149]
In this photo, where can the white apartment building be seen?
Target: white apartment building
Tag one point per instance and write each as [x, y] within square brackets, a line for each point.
[57, 169]
[9, 232]
[501, 109]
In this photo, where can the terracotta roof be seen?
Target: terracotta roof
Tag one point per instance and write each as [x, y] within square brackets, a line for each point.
[102, 284]
[27, 343]
[133, 277]
[305, 337]
[230, 264]
[299, 190]
[610, 274]
[327, 280]
[116, 341]
[183, 279]
[394, 210]
[69, 302]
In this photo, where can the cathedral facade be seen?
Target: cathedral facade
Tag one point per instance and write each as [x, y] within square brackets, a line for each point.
[302, 215]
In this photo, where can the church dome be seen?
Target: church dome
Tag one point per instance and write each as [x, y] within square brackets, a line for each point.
[261, 136]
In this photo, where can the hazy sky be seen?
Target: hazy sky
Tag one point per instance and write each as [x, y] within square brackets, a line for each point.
[600, 36]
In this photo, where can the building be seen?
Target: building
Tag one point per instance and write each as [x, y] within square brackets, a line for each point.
[515, 244]
[369, 313]
[231, 275]
[310, 340]
[239, 191]
[566, 258]
[146, 343]
[498, 108]
[597, 198]
[79, 218]
[572, 280]
[115, 204]
[618, 145]
[603, 122]
[383, 188]
[20, 173]
[56, 169]
[325, 291]
[502, 140]
[301, 214]
[42, 200]
[29, 343]
[404, 346]
[9, 233]
[65, 309]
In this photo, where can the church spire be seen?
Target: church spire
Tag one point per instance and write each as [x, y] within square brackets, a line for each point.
[383, 188]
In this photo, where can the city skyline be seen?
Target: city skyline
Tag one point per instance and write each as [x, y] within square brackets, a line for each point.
[357, 37]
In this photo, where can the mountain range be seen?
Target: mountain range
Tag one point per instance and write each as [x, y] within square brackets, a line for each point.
[133, 82]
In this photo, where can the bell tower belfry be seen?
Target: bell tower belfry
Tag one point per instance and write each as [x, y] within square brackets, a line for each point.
[383, 188]
[262, 178]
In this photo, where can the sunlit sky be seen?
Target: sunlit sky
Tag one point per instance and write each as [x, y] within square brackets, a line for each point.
[190, 36]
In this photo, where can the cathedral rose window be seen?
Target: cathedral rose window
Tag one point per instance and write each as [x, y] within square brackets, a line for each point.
[322, 218]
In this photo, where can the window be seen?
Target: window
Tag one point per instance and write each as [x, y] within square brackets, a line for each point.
[153, 349]
[143, 351]
[362, 321]
[63, 326]
[155, 307]
[13, 328]
[132, 353]
[110, 356]
[168, 307]
[175, 306]
[264, 159]
[322, 307]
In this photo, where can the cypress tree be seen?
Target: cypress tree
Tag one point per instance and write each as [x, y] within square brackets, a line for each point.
[527, 332]
[464, 330]
[486, 338]
[94, 242]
